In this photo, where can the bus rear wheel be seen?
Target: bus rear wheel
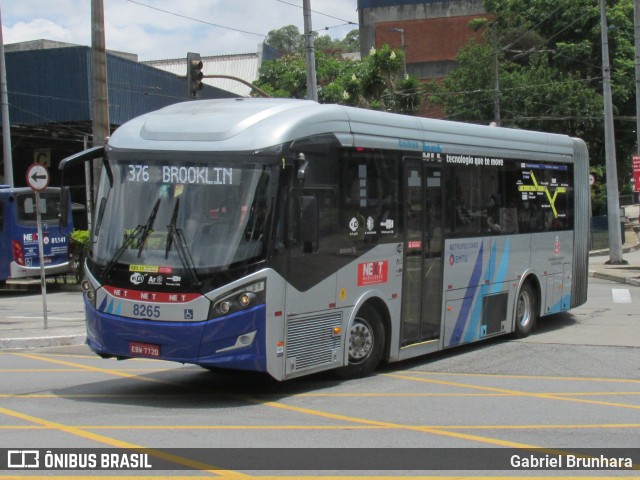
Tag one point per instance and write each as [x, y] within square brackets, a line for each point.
[365, 342]
[526, 311]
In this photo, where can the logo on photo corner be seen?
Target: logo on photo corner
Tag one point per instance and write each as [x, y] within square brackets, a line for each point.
[556, 246]
[23, 459]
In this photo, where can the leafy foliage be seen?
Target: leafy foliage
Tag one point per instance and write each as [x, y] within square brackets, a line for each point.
[550, 71]
[377, 82]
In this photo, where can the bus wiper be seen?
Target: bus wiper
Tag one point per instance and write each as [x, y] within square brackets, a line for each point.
[148, 227]
[175, 234]
[140, 232]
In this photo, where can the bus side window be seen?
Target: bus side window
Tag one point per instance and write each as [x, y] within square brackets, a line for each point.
[312, 219]
[309, 223]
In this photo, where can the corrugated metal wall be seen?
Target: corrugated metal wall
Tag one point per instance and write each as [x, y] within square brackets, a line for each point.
[54, 86]
[48, 86]
[243, 66]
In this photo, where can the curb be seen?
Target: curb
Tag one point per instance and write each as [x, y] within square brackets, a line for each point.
[41, 342]
[615, 278]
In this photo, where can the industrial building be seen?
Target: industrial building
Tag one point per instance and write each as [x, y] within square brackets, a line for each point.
[50, 99]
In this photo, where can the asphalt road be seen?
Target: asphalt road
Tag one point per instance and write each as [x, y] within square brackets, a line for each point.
[574, 384]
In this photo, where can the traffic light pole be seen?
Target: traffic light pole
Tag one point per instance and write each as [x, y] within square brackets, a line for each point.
[248, 84]
[194, 74]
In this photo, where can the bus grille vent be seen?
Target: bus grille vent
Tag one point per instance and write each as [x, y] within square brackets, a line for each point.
[312, 341]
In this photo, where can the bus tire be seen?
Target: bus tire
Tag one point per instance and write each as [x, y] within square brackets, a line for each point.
[526, 311]
[365, 342]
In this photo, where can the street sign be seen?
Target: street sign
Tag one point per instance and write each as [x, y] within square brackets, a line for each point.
[37, 177]
[42, 156]
[38, 180]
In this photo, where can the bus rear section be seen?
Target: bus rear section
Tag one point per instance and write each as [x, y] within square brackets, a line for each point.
[19, 256]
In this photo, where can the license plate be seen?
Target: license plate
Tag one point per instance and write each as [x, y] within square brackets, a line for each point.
[144, 350]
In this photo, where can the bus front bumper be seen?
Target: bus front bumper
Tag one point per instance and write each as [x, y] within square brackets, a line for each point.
[19, 271]
[236, 341]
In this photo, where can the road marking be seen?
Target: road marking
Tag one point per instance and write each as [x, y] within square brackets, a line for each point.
[549, 396]
[307, 411]
[363, 421]
[308, 477]
[331, 427]
[621, 295]
[526, 377]
[78, 432]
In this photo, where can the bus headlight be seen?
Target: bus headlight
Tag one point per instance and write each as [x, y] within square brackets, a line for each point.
[224, 307]
[240, 299]
[246, 298]
[89, 291]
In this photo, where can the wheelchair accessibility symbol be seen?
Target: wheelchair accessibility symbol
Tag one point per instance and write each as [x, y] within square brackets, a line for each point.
[188, 314]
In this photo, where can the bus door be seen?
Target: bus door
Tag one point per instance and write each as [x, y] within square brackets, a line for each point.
[422, 264]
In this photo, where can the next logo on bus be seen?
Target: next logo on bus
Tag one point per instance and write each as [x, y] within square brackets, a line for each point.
[29, 238]
[371, 273]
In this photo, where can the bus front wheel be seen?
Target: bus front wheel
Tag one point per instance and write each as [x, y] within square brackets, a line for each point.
[526, 311]
[365, 342]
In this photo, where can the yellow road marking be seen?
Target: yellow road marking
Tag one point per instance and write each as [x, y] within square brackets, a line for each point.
[549, 396]
[526, 377]
[119, 443]
[112, 441]
[316, 477]
[362, 421]
[331, 427]
[317, 413]
[107, 371]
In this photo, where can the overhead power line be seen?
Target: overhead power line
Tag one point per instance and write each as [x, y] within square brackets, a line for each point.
[175, 14]
[347, 22]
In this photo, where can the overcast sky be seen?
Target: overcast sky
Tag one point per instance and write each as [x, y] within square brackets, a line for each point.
[172, 28]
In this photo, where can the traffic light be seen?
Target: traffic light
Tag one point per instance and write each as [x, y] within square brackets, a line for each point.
[194, 73]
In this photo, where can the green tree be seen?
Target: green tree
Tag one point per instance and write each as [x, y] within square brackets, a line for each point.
[550, 71]
[286, 40]
[377, 82]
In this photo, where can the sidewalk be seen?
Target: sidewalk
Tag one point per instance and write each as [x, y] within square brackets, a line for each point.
[22, 322]
[628, 273]
[22, 319]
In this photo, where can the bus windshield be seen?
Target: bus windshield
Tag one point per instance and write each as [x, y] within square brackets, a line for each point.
[187, 215]
[26, 207]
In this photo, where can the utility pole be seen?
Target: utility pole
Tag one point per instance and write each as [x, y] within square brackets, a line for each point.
[99, 99]
[402, 46]
[6, 126]
[613, 201]
[636, 27]
[310, 55]
[496, 78]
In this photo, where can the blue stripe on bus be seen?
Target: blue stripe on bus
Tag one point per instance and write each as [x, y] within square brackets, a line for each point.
[503, 269]
[499, 276]
[470, 294]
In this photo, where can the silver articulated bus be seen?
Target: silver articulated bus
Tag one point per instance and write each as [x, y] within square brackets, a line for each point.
[291, 237]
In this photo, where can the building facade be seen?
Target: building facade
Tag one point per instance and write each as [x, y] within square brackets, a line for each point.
[431, 32]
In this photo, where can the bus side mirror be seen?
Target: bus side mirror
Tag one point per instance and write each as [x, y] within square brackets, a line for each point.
[65, 205]
[308, 222]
